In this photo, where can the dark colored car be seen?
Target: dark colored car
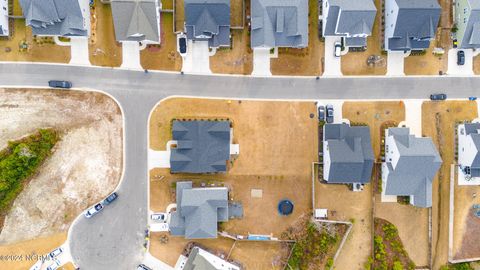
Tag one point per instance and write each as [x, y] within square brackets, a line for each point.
[455, 43]
[460, 58]
[321, 113]
[59, 84]
[329, 117]
[112, 197]
[143, 267]
[438, 97]
[182, 44]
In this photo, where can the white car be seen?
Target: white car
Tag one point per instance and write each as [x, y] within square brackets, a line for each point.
[159, 216]
[338, 49]
[56, 263]
[55, 253]
[94, 210]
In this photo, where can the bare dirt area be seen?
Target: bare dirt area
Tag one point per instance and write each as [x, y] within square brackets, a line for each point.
[357, 207]
[355, 63]
[427, 63]
[163, 56]
[476, 65]
[40, 246]
[85, 166]
[375, 115]
[268, 255]
[438, 121]
[266, 132]
[466, 226]
[235, 60]
[104, 50]
[307, 61]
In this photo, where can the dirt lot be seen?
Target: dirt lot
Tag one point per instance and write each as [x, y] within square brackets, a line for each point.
[104, 49]
[90, 126]
[355, 63]
[438, 122]
[375, 115]
[43, 50]
[165, 55]
[38, 246]
[466, 235]
[307, 61]
[426, 64]
[235, 60]
[266, 132]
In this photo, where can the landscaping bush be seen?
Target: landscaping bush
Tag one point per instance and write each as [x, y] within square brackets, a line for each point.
[20, 160]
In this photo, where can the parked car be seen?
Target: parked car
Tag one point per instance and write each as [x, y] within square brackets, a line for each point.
[472, 98]
[55, 253]
[112, 197]
[460, 58]
[321, 113]
[182, 44]
[56, 263]
[94, 210]
[159, 216]
[329, 117]
[438, 97]
[338, 49]
[143, 267]
[59, 84]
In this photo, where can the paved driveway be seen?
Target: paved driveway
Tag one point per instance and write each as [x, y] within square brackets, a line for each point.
[464, 70]
[197, 60]
[395, 63]
[131, 55]
[79, 51]
[333, 64]
[261, 62]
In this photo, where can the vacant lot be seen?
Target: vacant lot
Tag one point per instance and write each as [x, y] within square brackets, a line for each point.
[466, 228]
[40, 246]
[85, 166]
[438, 122]
[355, 63]
[104, 49]
[307, 61]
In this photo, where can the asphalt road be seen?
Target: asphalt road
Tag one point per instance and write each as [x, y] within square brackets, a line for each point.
[113, 239]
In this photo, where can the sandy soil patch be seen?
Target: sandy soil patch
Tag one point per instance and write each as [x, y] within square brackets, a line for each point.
[40, 246]
[345, 205]
[163, 56]
[104, 50]
[307, 61]
[466, 226]
[85, 166]
[355, 63]
[438, 122]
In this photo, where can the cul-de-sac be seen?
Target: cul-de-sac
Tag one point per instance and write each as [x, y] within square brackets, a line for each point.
[239, 135]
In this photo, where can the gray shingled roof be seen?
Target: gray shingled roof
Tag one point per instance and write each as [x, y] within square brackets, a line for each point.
[136, 20]
[54, 17]
[197, 262]
[471, 37]
[279, 23]
[418, 163]
[471, 129]
[202, 146]
[350, 18]
[198, 211]
[416, 24]
[351, 153]
[208, 20]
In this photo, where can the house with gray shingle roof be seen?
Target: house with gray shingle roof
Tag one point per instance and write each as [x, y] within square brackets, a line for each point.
[467, 20]
[410, 24]
[4, 20]
[409, 168]
[208, 20]
[136, 20]
[57, 17]
[469, 153]
[201, 146]
[347, 154]
[198, 211]
[279, 23]
[350, 19]
[200, 259]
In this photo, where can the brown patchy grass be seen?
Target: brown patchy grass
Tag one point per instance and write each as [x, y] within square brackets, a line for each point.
[165, 55]
[306, 61]
[427, 64]
[466, 226]
[355, 63]
[40, 246]
[235, 60]
[476, 65]
[104, 50]
[179, 15]
[438, 122]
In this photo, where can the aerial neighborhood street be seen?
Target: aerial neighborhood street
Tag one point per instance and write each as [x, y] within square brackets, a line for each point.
[239, 134]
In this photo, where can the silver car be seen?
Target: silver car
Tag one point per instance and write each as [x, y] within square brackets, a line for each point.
[94, 210]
